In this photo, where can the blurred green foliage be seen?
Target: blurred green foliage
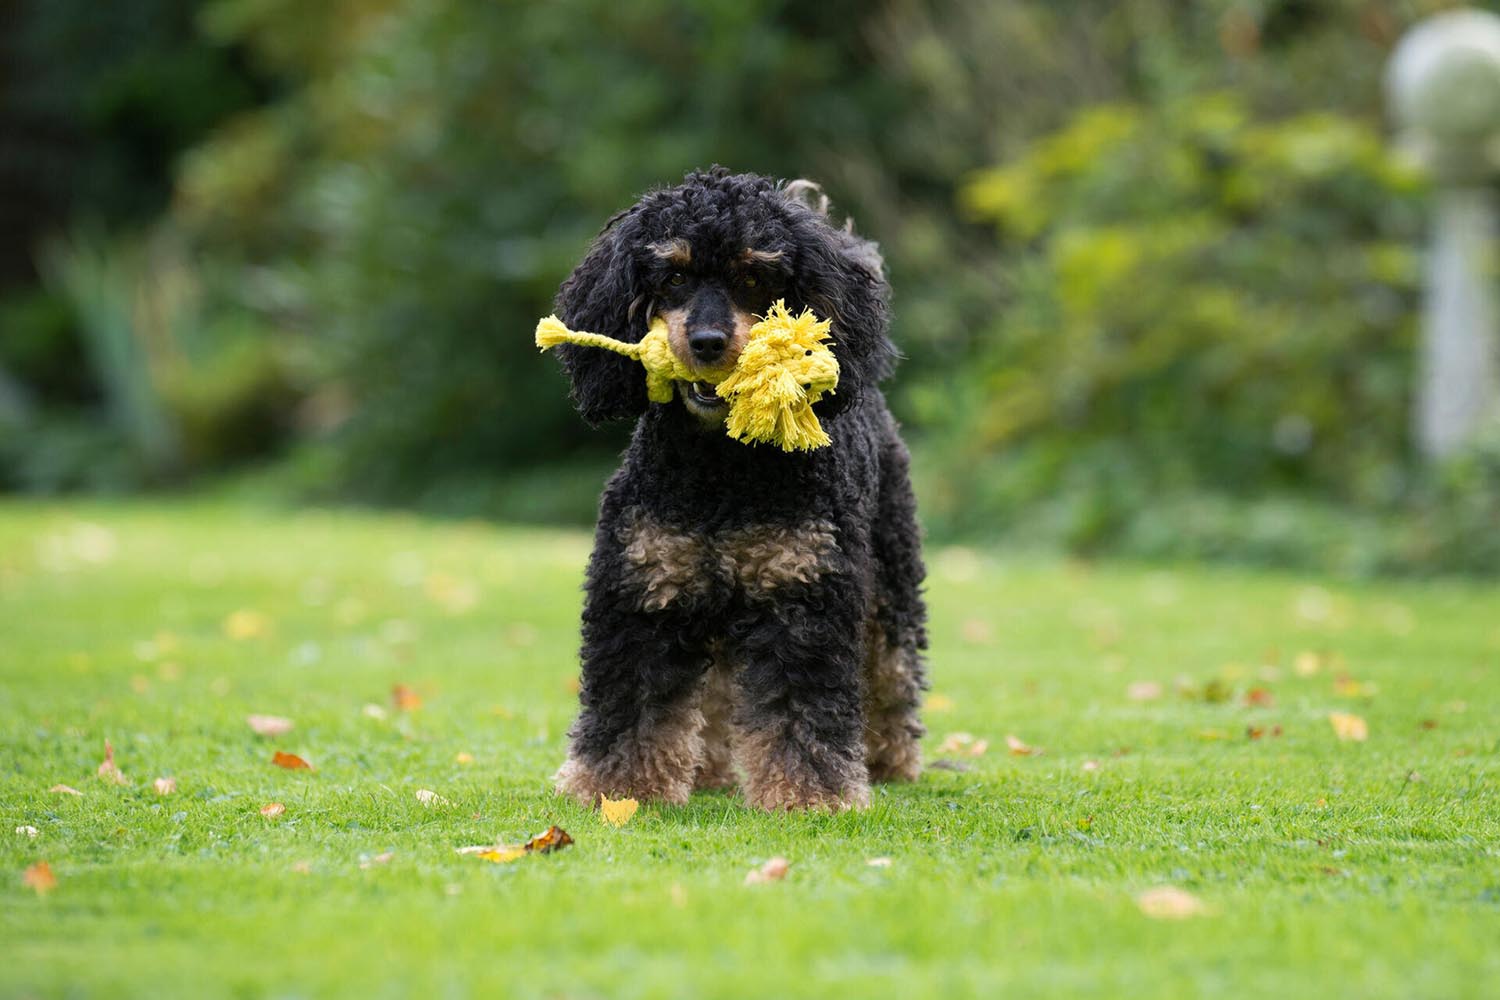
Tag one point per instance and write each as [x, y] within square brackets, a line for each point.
[1198, 301]
[1154, 272]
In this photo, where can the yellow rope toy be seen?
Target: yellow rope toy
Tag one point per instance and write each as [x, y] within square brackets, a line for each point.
[786, 366]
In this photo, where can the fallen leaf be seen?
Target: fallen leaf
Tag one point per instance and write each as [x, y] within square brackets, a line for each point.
[1168, 902]
[1019, 748]
[463, 758]
[1091, 765]
[617, 812]
[108, 771]
[64, 790]
[164, 786]
[554, 838]
[246, 623]
[963, 745]
[405, 699]
[429, 798]
[1428, 724]
[290, 761]
[373, 711]
[1349, 727]
[269, 725]
[272, 809]
[1259, 698]
[39, 878]
[878, 862]
[366, 862]
[26, 831]
[1144, 691]
[772, 871]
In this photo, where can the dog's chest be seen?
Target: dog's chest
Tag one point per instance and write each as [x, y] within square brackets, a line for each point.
[667, 565]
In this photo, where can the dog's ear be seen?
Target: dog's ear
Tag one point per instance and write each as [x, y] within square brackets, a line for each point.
[602, 295]
[841, 277]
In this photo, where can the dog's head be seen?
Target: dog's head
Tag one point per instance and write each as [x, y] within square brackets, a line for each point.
[709, 257]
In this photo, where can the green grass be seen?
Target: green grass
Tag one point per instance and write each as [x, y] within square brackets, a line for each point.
[1326, 868]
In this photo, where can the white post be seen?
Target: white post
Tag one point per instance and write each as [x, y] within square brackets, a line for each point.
[1459, 369]
[1444, 87]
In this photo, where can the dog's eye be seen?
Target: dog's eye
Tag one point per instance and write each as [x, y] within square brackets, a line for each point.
[750, 281]
[677, 279]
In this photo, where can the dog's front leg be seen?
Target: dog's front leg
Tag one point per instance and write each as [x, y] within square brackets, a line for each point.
[639, 731]
[798, 723]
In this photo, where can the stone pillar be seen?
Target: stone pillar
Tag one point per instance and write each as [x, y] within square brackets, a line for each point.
[1444, 88]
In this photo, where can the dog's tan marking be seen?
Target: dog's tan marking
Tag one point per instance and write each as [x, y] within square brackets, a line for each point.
[677, 339]
[676, 251]
[664, 564]
[753, 256]
[781, 773]
[891, 694]
[716, 770]
[657, 760]
[763, 558]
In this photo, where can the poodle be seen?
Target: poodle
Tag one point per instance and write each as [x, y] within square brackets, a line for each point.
[753, 617]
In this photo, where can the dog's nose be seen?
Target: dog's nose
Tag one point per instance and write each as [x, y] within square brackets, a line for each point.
[708, 344]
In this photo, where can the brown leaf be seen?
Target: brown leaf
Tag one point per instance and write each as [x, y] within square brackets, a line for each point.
[772, 871]
[1020, 749]
[1349, 727]
[39, 878]
[269, 725]
[290, 761]
[429, 798]
[554, 838]
[164, 786]
[108, 771]
[1259, 698]
[1168, 902]
[272, 809]
[617, 812]
[64, 790]
[405, 699]
[963, 744]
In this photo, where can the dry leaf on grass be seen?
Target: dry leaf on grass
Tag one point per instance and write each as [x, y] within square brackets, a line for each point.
[963, 745]
[429, 798]
[405, 699]
[772, 871]
[1349, 727]
[878, 862]
[108, 771]
[554, 838]
[164, 786]
[272, 809]
[463, 757]
[64, 790]
[290, 761]
[1019, 748]
[269, 725]
[366, 862]
[1144, 691]
[1168, 902]
[39, 878]
[26, 831]
[1091, 765]
[617, 812]
[1259, 698]
[1308, 663]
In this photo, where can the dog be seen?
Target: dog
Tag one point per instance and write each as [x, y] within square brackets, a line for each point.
[752, 617]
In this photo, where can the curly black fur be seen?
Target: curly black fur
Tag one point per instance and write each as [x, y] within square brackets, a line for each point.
[799, 573]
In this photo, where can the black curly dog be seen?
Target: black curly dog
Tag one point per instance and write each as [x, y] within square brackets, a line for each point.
[748, 610]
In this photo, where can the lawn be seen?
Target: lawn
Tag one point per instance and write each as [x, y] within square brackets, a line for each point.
[1179, 720]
